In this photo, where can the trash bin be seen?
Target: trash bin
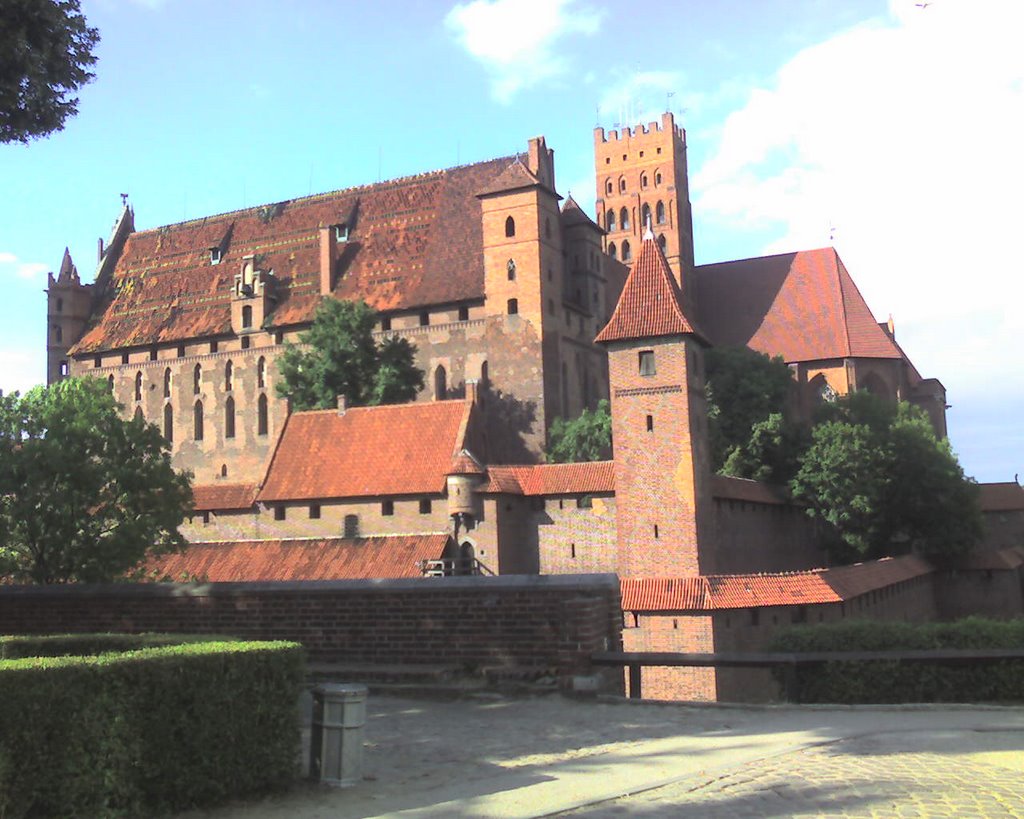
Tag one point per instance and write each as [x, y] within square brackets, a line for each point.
[336, 741]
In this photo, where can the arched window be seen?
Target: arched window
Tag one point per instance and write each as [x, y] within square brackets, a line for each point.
[197, 379]
[483, 374]
[624, 219]
[440, 383]
[659, 213]
[167, 383]
[261, 415]
[168, 423]
[626, 252]
[229, 418]
[261, 373]
[645, 216]
[197, 421]
[622, 184]
[643, 181]
[58, 333]
[513, 307]
[246, 315]
[510, 268]
[229, 371]
[608, 187]
[223, 470]
[351, 526]
[60, 302]
[657, 178]
[662, 242]
[510, 227]
[110, 383]
[611, 250]
[609, 218]
[138, 386]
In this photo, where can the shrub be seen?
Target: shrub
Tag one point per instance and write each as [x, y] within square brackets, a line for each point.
[885, 681]
[155, 730]
[86, 645]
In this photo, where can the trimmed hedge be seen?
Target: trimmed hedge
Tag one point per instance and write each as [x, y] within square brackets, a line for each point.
[894, 682]
[150, 731]
[13, 647]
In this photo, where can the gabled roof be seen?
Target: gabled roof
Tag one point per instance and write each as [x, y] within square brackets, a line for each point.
[803, 306]
[412, 242]
[1001, 497]
[403, 449]
[515, 177]
[224, 497]
[718, 592]
[573, 214]
[651, 304]
[464, 462]
[594, 477]
[387, 556]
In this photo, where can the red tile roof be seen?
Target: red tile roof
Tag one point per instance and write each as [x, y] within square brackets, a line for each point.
[651, 304]
[573, 214]
[412, 242]
[465, 463]
[224, 497]
[742, 489]
[551, 479]
[1001, 497]
[404, 449]
[803, 306]
[303, 559]
[717, 592]
[515, 177]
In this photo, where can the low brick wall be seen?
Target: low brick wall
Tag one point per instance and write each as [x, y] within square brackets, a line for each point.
[551, 622]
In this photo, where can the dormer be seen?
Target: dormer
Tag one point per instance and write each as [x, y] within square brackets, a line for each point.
[251, 296]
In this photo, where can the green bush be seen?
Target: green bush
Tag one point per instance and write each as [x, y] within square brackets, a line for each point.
[894, 682]
[87, 645]
[150, 731]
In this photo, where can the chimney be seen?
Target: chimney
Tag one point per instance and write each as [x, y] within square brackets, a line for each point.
[328, 257]
[472, 390]
[99, 250]
[342, 404]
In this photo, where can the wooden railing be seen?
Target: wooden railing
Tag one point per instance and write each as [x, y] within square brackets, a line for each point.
[790, 662]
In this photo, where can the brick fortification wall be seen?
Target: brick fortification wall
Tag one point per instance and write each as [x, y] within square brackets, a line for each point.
[535, 622]
[759, 537]
[995, 593]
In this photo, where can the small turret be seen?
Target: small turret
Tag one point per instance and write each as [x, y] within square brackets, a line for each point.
[68, 303]
[464, 475]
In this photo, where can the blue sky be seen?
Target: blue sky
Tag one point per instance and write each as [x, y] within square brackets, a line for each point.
[891, 130]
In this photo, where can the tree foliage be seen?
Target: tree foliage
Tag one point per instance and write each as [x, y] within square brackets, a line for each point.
[341, 358]
[46, 50]
[883, 483]
[84, 494]
[587, 437]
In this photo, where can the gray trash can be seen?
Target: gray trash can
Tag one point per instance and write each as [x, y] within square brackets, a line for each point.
[336, 742]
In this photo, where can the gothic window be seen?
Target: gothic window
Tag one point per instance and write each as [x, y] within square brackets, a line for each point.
[138, 386]
[197, 421]
[662, 241]
[612, 251]
[197, 378]
[440, 383]
[510, 268]
[645, 215]
[168, 423]
[643, 181]
[513, 307]
[510, 227]
[624, 219]
[650, 423]
[229, 418]
[610, 220]
[229, 372]
[261, 415]
[351, 526]
[627, 254]
[167, 383]
[261, 373]
[657, 178]
[223, 470]
[622, 184]
[659, 213]
[483, 374]
[608, 187]
[646, 360]
[246, 315]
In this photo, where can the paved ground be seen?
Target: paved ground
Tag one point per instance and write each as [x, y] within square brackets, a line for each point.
[544, 756]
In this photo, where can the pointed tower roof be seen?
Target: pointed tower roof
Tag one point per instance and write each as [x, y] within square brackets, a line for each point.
[573, 214]
[651, 304]
[68, 271]
[465, 462]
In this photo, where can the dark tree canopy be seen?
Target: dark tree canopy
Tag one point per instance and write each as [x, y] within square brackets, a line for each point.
[84, 494]
[587, 437]
[340, 357]
[46, 50]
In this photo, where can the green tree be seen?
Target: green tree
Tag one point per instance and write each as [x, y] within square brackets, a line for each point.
[46, 50]
[744, 388]
[587, 437]
[341, 358]
[883, 483]
[771, 453]
[84, 494]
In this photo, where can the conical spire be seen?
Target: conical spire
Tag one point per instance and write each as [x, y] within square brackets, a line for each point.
[68, 271]
[651, 304]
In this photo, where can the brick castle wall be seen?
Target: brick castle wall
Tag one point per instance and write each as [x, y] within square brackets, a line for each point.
[761, 537]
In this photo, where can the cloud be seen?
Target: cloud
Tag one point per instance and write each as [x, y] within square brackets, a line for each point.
[23, 270]
[21, 369]
[639, 96]
[515, 40]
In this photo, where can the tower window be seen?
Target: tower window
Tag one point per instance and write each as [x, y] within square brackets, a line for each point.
[181, 351]
[611, 250]
[659, 213]
[168, 423]
[229, 418]
[655, 531]
[60, 303]
[261, 415]
[247, 315]
[246, 342]
[213, 346]
[627, 254]
[645, 215]
[610, 220]
[124, 358]
[138, 386]
[64, 368]
[510, 227]
[609, 188]
[152, 354]
[229, 371]
[261, 372]
[624, 219]
[643, 181]
[510, 267]
[650, 423]
[513, 307]
[425, 506]
[646, 360]
[440, 383]
[662, 242]
[167, 383]
[197, 378]
[622, 185]
[387, 508]
[197, 421]
[657, 175]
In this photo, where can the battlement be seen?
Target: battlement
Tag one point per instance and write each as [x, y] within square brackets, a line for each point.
[641, 131]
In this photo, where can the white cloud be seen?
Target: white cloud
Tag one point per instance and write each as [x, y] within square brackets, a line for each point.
[7, 258]
[515, 39]
[636, 97]
[23, 270]
[21, 369]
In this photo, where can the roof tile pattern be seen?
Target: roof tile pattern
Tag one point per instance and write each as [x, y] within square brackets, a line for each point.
[223, 497]
[551, 479]
[404, 449]
[412, 242]
[651, 304]
[388, 556]
[803, 306]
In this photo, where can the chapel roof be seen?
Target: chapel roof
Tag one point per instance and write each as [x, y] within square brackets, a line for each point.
[413, 242]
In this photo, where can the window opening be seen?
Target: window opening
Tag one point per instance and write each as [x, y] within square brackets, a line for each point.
[261, 415]
[229, 418]
[510, 227]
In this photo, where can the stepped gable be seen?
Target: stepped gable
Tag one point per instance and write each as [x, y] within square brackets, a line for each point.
[551, 479]
[254, 561]
[803, 306]
[413, 242]
[651, 304]
[224, 497]
[402, 449]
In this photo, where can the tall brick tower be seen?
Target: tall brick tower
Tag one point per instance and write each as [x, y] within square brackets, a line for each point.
[659, 426]
[642, 173]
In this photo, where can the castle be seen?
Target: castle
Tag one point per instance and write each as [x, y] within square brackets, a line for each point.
[522, 309]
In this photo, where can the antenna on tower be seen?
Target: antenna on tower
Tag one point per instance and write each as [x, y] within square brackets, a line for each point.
[668, 96]
[124, 200]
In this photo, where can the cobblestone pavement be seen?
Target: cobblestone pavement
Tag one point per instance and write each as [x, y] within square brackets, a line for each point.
[876, 776]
